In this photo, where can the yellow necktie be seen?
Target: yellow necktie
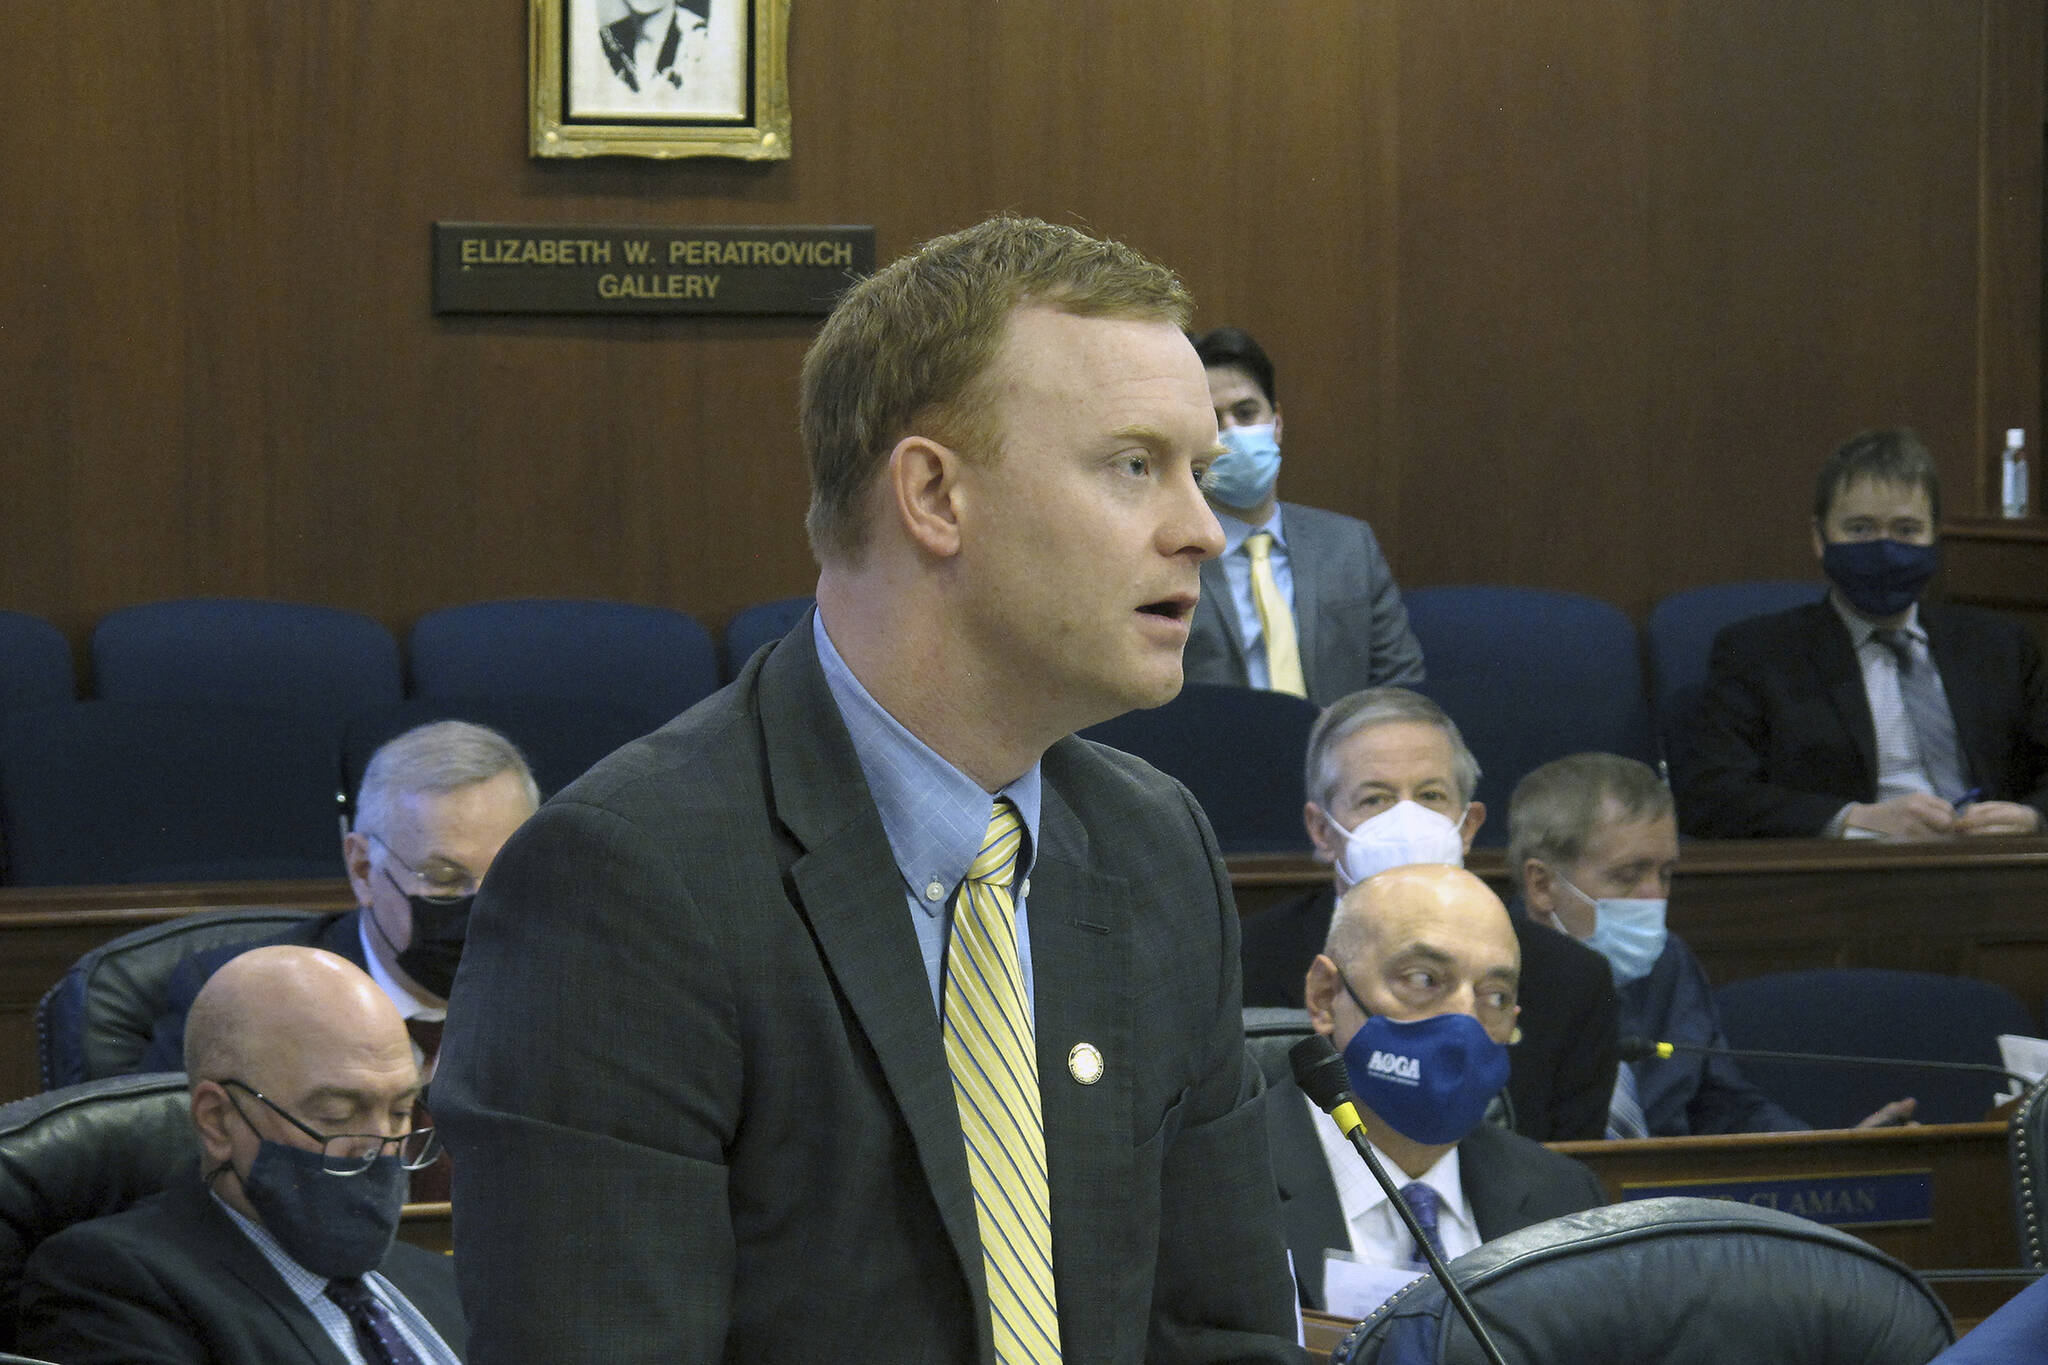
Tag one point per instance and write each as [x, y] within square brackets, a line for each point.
[990, 1049]
[1276, 623]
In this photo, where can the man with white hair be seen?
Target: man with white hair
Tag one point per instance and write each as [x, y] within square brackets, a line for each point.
[436, 805]
[1390, 782]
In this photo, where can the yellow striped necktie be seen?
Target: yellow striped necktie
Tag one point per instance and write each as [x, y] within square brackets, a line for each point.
[990, 1049]
[1276, 622]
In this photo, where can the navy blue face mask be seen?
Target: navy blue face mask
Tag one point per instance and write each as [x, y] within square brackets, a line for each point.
[1430, 1080]
[1879, 577]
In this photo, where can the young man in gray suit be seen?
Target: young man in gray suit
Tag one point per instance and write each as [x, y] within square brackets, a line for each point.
[863, 1008]
[1301, 600]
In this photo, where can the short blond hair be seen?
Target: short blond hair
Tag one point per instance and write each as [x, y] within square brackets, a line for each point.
[903, 350]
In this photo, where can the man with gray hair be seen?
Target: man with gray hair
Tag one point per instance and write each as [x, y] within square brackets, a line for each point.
[1389, 783]
[435, 806]
[1592, 844]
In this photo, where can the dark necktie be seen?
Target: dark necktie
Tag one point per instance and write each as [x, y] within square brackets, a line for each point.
[426, 1034]
[1425, 1203]
[431, 1184]
[1934, 728]
[376, 1334]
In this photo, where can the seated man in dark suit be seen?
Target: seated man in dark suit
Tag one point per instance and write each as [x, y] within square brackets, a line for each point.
[1301, 600]
[436, 805]
[1390, 782]
[279, 1246]
[1872, 714]
[1592, 844]
[1421, 964]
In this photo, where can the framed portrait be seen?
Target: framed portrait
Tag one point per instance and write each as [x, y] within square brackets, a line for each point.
[660, 78]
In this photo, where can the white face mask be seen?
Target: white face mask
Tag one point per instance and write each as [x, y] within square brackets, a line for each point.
[1406, 834]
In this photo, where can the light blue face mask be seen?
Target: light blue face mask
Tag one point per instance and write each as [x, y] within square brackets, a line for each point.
[1628, 931]
[1243, 474]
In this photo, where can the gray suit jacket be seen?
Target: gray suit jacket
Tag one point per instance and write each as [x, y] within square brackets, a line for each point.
[1509, 1180]
[1348, 615]
[698, 1097]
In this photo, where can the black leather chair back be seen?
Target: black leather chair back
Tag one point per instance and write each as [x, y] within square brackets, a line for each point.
[96, 1021]
[1269, 1032]
[1679, 1281]
[80, 1152]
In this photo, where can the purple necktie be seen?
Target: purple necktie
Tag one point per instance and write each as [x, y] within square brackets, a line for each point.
[377, 1335]
[1425, 1203]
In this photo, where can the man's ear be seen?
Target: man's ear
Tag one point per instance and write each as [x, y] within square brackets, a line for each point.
[212, 1116]
[1820, 542]
[1475, 816]
[1322, 832]
[922, 483]
[1320, 991]
[355, 856]
[1539, 886]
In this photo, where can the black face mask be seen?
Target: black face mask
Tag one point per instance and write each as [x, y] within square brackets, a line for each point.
[337, 1226]
[438, 929]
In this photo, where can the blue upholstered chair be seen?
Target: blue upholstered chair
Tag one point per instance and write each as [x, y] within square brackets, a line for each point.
[1679, 636]
[1530, 675]
[559, 736]
[1238, 750]
[322, 664]
[1871, 1012]
[760, 624]
[106, 791]
[651, 661]
[35, 663]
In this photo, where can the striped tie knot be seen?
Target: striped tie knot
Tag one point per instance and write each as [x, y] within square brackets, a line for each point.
[996, 864]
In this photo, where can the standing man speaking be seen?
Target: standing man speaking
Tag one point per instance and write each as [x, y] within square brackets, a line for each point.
[862, 1009]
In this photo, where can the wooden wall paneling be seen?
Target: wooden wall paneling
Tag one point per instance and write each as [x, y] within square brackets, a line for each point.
[2013, 55]
[1561, 296]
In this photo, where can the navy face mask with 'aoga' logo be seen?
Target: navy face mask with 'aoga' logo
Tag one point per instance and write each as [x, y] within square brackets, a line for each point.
[1430, 1080]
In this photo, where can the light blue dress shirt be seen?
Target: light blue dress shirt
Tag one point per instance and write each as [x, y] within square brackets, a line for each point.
[1237, 571]
[934, 814]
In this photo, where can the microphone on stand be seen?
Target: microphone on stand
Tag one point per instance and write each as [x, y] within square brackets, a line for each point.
[1320, 1073]
[1634, 1049]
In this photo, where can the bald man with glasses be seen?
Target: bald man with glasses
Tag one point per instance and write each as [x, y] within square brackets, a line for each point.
[278, 1247]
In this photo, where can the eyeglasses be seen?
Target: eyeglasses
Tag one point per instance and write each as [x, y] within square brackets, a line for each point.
[457, 885]
[351, 1153]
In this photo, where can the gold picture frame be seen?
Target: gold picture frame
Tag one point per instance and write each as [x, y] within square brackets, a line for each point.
[659, 78]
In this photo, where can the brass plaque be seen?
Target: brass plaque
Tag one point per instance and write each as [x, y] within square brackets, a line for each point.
[570, 268]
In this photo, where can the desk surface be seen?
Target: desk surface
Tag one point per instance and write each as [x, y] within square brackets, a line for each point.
[1972, 1223]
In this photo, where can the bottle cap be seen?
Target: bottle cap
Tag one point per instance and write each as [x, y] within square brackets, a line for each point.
[2015, 436]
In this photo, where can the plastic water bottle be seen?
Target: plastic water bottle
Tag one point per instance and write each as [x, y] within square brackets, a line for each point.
[2013, 474]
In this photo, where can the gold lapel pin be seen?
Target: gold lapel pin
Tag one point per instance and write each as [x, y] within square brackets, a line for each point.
[1084, 1063]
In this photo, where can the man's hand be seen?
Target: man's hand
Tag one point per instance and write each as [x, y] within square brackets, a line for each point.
[1916, 815]
[1998, 817]
[1891, 1115]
